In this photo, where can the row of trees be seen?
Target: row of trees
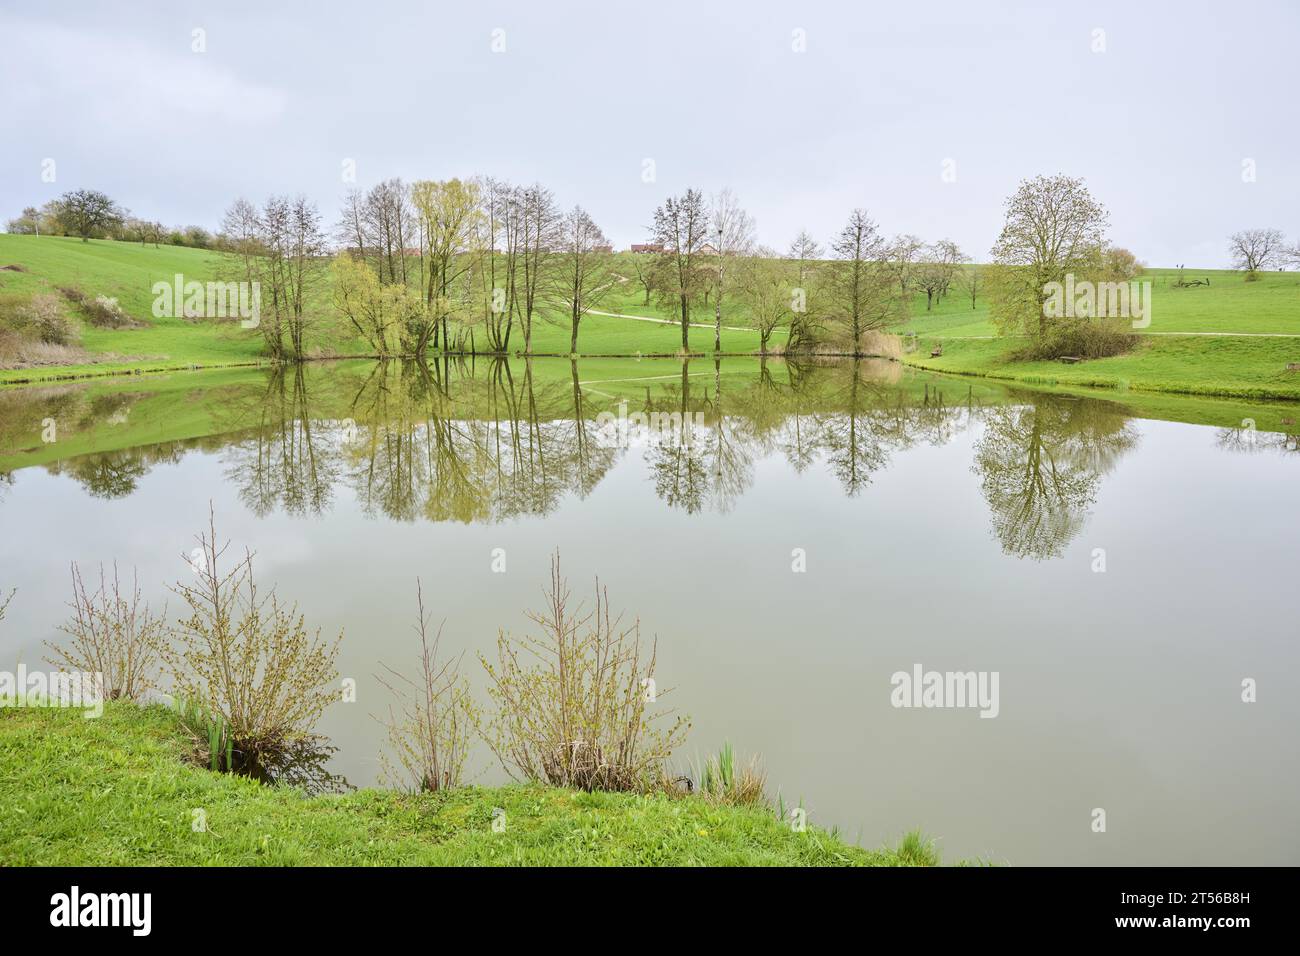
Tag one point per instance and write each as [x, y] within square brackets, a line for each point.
[709, 251]
[440, 263]
[474, 264]
[90, 214]
[443, 263]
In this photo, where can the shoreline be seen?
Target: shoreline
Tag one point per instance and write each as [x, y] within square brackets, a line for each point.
[86, 779]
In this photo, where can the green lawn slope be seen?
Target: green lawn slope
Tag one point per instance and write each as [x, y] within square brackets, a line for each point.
[128, 271]
[1228, 337]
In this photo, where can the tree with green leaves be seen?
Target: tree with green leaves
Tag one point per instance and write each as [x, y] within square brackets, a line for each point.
[766, 284]
[1054, 228]
[88, 212]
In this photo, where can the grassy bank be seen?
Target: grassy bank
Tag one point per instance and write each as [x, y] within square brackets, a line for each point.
[1210, 339]
[116, 791]
[1204, 339]
[1250, 368]
[30, 265]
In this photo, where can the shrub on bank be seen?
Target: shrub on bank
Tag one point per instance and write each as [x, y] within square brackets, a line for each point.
[1084, 338]
[249, 662]
[113, 634]
[573, 703]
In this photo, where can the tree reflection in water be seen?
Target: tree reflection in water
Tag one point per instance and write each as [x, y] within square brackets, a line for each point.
[1040, 465]
[490, 440]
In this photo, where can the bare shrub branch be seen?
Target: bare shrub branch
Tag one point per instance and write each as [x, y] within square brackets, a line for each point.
[430, 728]
[572, 705]
[248, 660]
[112, 634]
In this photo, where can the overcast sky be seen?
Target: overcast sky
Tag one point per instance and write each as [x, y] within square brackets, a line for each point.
[1160, 124]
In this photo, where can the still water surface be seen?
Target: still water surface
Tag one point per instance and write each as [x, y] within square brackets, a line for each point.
[942, 523]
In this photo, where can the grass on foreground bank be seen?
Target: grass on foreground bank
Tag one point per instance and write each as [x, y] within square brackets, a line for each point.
[117, 791]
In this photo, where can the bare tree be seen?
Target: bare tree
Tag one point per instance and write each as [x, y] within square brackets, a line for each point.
[28, 224]
[135, 229]
[681, 225]
[351, 227]
[386, 217]
[540, 224]
[290, 232]
[971, 279]
[733, 231]
[905, 254]
[582, 275]
[806, 251]
[502, 228]
[934, 272]
[863, 292]
[643, 266]
[1121, 264]
[240, 240]
[156, 231]
[1256, 249]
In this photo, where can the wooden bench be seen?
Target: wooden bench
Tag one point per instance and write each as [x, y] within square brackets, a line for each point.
[1071, 359]
[936, 351]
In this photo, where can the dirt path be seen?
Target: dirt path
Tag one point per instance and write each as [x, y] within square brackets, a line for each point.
[677, 322]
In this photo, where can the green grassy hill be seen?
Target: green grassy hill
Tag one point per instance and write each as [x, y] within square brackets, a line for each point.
[1230, 337]
[128, 271]
[116, 791]
[1270, 305]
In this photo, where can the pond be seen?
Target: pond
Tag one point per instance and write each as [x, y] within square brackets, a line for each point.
[1111, 570]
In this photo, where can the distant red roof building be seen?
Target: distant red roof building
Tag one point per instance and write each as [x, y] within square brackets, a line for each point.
[647, 247]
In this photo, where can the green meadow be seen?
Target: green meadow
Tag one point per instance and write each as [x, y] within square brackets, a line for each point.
[128, 271]
[1227, 337]
[1228, 304]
